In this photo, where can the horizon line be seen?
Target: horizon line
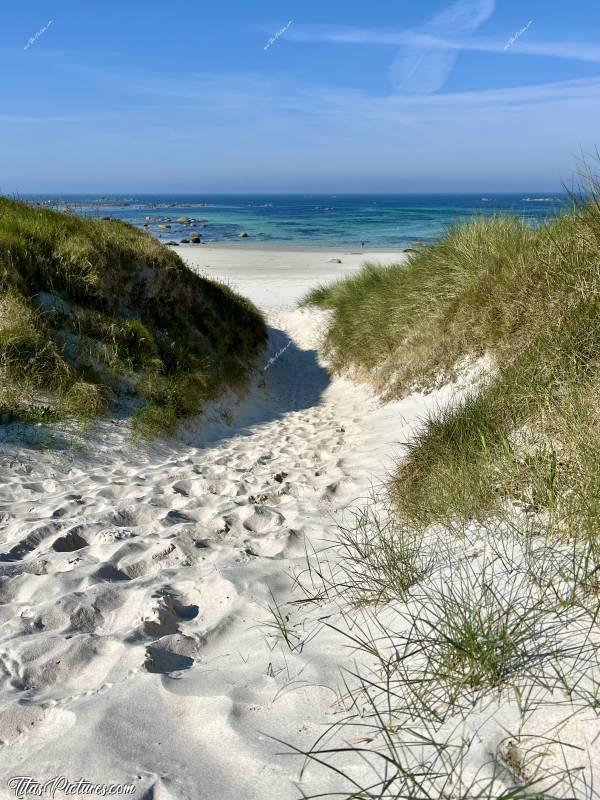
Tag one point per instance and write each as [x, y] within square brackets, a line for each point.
[54, 195]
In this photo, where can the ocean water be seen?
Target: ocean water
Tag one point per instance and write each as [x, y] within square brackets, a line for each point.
[308, 220]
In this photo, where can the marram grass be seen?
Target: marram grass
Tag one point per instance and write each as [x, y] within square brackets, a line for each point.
[94, 311]
[527, 298]
[449, 632]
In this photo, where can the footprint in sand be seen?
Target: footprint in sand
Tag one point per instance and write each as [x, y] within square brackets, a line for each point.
[257, 519]
[168, 613]
[25, 719]
[132, 516]
[30, 542]
[71, 541]
[176, 517]
[184, 488]
[54, 660]
[173, 650]
[264, 520]
[108, 572]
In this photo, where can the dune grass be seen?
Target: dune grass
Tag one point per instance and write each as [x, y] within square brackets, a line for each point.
[469, 591]
[94, 311]
[529, 300]
[475, 685]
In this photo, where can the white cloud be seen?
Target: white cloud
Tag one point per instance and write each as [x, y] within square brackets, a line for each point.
[576, 51]
[462, 16]
[231, 132]
[422, 68]
[429, 52]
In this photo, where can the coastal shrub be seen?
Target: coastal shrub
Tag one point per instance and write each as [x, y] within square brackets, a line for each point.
[93, 311]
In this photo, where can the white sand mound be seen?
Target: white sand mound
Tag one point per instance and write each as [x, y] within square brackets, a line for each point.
[136, 641]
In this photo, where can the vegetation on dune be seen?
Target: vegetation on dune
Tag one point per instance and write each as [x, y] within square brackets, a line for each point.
[530, 300]
[92, 311]
[452, 633]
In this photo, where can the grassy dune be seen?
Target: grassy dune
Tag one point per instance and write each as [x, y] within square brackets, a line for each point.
[94, 311]
[530, 300]
[472, 587]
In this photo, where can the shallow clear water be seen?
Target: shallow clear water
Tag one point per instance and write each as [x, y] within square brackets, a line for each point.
[309, 220]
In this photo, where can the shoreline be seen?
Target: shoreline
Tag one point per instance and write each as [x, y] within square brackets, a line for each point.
[264, 273]
[285, 248]
[252, 250]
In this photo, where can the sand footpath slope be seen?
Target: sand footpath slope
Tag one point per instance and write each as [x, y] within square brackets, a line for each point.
[136, 641]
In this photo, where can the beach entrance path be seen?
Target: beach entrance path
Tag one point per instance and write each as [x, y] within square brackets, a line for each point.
[149, 629]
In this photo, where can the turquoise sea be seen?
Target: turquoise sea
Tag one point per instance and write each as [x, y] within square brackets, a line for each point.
[307, 220]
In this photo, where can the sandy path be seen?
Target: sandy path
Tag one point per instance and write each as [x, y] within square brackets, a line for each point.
[135, 644]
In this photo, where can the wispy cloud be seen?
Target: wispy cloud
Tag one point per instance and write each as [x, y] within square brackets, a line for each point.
[428, 52]
[392, 141]
[422, 68]
[576, 51]
[277, 101]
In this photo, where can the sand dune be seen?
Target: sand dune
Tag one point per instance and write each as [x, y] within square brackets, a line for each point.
[136, 641]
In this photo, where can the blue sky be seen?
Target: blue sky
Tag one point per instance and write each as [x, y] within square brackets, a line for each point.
[411, 95]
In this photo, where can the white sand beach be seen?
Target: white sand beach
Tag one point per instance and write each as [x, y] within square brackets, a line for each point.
[136, 641]
[135, 584]
[135, 644]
